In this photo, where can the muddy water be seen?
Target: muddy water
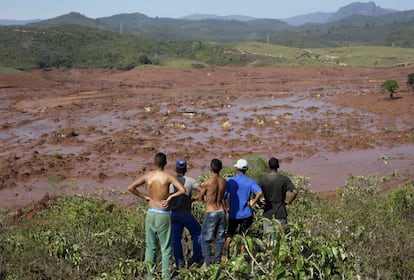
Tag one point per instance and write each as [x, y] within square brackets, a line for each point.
[97, 142]
[262, 125]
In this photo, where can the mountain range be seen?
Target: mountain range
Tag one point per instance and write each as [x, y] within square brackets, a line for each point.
[356, 23]
[356, 8]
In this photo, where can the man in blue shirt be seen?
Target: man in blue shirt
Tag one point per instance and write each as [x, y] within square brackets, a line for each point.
[240, 189]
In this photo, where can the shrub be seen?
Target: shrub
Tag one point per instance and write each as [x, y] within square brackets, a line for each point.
[144, 59]
[282, 253]
[391, 86]
[410, 81]
[75, 238]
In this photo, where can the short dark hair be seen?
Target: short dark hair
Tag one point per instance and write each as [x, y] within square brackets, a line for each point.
[181, 170]
[273, 163]
[216, 165]
[160, 159]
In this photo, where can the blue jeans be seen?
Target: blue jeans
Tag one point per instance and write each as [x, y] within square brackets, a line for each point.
[179, 222]
[214, 226]
[268, 224]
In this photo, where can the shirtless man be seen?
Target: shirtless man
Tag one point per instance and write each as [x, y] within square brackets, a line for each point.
[214, 223]
[158, 220]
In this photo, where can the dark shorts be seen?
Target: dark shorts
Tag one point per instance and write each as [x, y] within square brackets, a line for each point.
[238, 226]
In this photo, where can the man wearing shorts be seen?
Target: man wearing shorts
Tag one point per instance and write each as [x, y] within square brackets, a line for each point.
[239, 190]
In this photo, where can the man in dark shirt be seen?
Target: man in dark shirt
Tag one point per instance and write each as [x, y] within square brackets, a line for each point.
[181, 217]
[274, 187]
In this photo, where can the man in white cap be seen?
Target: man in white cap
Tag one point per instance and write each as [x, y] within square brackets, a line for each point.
[240, 189]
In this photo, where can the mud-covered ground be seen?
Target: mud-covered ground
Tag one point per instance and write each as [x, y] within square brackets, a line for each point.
[95, 131]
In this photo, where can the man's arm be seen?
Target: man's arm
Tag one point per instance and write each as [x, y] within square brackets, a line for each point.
[133, 188]
[178, 185]
[201, 193]
[292, 197]
[255, 199]
[256, 189]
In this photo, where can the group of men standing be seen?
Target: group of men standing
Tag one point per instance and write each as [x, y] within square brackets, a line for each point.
[169, 209]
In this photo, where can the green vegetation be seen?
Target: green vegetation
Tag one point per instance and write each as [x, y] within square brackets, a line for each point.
[362, 234]
[391, 86]
[85, 47]
[268, 54]
[5, 71]
[410, 81]
[352, 31]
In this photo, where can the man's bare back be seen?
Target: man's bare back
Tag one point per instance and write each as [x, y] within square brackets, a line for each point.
[213, 190]
[157, 182]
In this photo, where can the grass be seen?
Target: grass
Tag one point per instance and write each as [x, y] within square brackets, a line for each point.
[369, 56]
[180, 62]
[7, 71]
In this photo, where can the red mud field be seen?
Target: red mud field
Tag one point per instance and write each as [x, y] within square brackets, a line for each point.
[95, 131]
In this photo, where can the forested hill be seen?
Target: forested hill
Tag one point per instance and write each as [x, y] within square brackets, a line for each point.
[359, 30]
[175, 29]
[393, 29]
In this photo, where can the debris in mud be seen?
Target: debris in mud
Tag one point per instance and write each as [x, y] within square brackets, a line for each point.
[60, 136]
[187, 112]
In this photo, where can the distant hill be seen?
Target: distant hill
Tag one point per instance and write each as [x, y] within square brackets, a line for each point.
[363, 9]
[175, 29]
[353, 9]
[72, 18]
[396, 29]
[318, 18]
[7, 22]
[229, 17]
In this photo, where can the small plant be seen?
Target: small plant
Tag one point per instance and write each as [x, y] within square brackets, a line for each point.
[391, 129]
[410, 81]
[57, 155]
[391, 86]
[386, 159]
[55, 178]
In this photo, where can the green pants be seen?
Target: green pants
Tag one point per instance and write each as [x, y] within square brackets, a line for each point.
[158, 229]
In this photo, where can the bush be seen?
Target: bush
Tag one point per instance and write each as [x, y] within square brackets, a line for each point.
[75, 238]
[391, 86]
[410, 81]
[143, 59]
[282, 253]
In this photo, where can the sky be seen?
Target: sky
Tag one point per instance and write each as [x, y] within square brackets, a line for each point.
[46, 9]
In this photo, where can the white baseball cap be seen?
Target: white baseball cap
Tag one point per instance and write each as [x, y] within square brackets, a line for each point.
[242, 164]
